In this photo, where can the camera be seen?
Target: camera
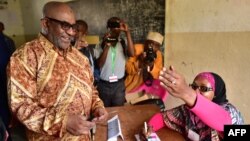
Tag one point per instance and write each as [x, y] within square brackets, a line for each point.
[150, 55]
[113, 24]
[111, 40]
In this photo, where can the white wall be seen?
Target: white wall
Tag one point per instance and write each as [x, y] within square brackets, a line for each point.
[22, 19]
[12, 19]
[211, 35]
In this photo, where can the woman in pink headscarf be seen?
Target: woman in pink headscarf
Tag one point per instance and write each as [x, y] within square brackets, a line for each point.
[206, 109]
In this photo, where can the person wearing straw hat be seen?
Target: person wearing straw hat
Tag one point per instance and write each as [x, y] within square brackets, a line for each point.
[145, 66]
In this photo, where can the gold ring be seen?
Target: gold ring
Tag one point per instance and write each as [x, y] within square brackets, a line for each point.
[173, 82]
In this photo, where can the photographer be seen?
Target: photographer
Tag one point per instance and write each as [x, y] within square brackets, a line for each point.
[146, 64]
[113, 52]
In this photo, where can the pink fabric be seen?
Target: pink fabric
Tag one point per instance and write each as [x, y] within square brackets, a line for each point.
[155, 89]
[156, 122]
[211, 114]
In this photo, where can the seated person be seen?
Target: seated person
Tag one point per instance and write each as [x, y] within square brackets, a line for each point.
[146, 64]
[191, 119]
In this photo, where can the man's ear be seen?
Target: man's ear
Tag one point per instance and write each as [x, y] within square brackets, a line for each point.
[44, 23]
[44, 26]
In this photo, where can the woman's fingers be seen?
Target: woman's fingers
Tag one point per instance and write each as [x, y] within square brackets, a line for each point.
[167, 77]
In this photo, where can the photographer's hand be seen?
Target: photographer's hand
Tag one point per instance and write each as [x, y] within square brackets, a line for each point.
[150, 66]
[144, 63]
[124, 27]
[141, 62]
[104, 40]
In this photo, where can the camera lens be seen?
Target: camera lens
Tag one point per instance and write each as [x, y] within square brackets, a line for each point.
[150, 55]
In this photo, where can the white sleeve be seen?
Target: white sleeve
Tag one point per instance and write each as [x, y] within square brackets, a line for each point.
[97, 51]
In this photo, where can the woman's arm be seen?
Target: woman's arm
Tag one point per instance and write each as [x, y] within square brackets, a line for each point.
[211, 113]
[157, 122]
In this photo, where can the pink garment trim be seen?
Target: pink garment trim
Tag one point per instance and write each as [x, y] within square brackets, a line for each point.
[155, 89]
[211, 113]
[156, 122]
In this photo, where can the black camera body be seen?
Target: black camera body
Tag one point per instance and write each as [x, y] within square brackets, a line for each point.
[113, 24]
[111, 40]
[150, 55]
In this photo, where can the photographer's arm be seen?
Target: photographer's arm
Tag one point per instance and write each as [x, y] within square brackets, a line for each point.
[131, 49]
[101, 60]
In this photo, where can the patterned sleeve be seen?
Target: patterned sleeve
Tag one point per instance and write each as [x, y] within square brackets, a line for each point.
[96, 101]
[176, 118]
[235, 114]
[23, 98]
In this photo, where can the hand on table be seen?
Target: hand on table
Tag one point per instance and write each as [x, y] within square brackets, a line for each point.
[100, 115]
[78, 125]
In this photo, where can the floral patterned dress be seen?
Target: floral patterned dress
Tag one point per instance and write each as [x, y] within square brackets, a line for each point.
[44, 85]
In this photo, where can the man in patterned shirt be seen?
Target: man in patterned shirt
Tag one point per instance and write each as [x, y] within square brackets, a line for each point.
[50, 84]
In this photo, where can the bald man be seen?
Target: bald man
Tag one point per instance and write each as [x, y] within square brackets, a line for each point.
[51, 88]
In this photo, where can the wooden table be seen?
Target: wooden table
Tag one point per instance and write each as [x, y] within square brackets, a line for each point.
[132, 118]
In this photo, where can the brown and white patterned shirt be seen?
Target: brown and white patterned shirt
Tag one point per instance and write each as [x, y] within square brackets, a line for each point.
[45, 84]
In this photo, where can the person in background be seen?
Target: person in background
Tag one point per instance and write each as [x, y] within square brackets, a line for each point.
[51, 88]
[7, 47]
[146, 64]
[83, 46]
[113, 51]
[6, 40]
[206, 109]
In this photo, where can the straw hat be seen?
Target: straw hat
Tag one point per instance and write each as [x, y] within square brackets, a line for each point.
[155, 36]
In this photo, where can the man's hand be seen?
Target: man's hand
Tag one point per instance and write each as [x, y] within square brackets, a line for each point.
[78, 125]
[100, 114]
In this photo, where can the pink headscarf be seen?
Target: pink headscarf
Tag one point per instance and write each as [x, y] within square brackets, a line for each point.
[217, 84]
[208, 76]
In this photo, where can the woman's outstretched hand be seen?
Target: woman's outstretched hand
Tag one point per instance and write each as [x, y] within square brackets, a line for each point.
[176, 85]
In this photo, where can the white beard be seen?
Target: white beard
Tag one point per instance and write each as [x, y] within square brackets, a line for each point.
[44, 31]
